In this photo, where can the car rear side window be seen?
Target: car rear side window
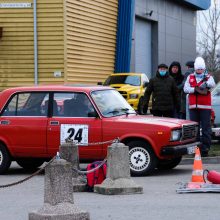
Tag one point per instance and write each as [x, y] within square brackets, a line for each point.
[27, 104]
[73, 104]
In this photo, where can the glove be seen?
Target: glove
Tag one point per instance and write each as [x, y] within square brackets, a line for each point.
[203, 85]
[201, 91]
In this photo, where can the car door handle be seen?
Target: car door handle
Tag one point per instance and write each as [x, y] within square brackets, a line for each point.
[54, 123]
[5, 122]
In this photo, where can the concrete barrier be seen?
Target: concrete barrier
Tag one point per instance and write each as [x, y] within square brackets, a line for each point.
[58, 195]
[70, 153]
[118, 179]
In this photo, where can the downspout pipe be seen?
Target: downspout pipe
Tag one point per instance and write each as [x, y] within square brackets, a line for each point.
[35, 44]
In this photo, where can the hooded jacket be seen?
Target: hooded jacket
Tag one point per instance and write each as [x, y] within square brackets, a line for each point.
[164, 93]
[178, 77]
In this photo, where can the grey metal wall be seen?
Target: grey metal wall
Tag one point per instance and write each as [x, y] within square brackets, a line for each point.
[174, 35]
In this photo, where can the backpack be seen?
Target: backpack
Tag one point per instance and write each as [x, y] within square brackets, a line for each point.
[97, 176]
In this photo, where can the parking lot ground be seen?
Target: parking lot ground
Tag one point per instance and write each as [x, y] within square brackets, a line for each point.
[159, 200]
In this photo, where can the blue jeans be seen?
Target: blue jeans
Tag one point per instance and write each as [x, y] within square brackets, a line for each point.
[203, 117]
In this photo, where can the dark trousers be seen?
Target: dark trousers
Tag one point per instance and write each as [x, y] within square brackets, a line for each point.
[159, 113]
[203, 117]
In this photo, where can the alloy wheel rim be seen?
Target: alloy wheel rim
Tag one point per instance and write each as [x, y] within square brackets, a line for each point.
[1, 158]
[139, 159]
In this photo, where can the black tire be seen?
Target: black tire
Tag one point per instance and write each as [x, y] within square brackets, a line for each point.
[140, 106]
[5, 159]
[142, 159]
[168, 164]
[30, 163]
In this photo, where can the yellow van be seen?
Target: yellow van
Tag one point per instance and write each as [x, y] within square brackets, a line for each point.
[131, 86]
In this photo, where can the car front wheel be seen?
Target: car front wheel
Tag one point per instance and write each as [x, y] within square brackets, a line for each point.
[5, 159]
[141, 158]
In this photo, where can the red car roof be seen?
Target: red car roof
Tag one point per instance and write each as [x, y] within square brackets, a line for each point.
[5, 94]
[67, 87]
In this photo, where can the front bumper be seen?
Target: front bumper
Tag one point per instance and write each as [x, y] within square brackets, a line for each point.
[179, 150]
[216, 133]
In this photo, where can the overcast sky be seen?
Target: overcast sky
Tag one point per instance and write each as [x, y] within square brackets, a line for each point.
[201, 20]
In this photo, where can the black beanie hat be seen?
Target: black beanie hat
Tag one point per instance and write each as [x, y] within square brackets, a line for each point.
[162, 65]
[190, 64]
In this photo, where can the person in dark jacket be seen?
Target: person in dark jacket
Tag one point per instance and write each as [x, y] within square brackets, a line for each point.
[190, 69]
[176, 72]
[164, 93]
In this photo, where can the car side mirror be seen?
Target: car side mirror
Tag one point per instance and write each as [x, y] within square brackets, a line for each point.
[145, 84]
[99, 83]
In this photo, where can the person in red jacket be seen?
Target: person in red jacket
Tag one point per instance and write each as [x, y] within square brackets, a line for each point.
[198, 85]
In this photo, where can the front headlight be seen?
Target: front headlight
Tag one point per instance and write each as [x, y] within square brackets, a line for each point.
[133, 96]
[175, 135]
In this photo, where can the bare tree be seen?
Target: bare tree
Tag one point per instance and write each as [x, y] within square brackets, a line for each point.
[208, 38]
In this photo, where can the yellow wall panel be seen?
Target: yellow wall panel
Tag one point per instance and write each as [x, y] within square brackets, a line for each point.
[50, 40]
[16, 46]
[75, 37]
[90, 40]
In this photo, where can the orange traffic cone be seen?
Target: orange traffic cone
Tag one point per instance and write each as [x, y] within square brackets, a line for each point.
[197, 173]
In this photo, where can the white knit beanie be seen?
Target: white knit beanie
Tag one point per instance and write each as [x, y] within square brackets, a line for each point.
[199, 63]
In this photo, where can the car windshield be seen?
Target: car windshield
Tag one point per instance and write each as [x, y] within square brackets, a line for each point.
[123, 79]
[111, 103]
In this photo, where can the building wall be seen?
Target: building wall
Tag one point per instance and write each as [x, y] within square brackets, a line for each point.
[90, 40]
[16, 46]
[50, 34]
[176, 26]
[76, 40]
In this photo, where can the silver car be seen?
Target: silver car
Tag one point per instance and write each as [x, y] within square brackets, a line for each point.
[216, 108]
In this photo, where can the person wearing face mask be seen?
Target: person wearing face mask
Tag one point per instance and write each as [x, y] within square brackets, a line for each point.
[164, 93]
[198, 85]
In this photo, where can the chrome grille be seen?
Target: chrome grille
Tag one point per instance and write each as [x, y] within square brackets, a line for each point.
[189, 131]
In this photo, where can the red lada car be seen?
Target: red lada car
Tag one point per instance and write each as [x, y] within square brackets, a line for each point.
[35, 121]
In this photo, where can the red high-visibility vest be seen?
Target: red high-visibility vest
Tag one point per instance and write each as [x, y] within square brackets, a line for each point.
[197, 100]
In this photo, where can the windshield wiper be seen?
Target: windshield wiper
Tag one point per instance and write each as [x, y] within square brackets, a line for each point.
[126, 110]
[112, 112]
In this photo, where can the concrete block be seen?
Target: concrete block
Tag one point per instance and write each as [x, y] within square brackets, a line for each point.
[118, 179]
[58, 195]
[69, 152]
[122, 186]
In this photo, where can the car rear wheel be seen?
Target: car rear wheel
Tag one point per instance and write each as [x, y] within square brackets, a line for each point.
[30, 164]
[141, 158]
[5, 159]
[168, 164]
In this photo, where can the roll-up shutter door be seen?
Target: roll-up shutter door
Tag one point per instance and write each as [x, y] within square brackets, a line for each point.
[143, 57]
[90, 40]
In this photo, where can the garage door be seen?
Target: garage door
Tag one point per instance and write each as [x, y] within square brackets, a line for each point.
[143, 58]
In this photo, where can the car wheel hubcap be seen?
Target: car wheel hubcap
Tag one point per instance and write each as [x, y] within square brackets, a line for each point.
[139, 159]
[1, 157]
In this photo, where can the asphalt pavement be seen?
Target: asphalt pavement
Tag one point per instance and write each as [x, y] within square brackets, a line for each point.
[158, 202]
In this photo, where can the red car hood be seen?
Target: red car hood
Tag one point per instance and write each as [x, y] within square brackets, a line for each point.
[160, 121]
